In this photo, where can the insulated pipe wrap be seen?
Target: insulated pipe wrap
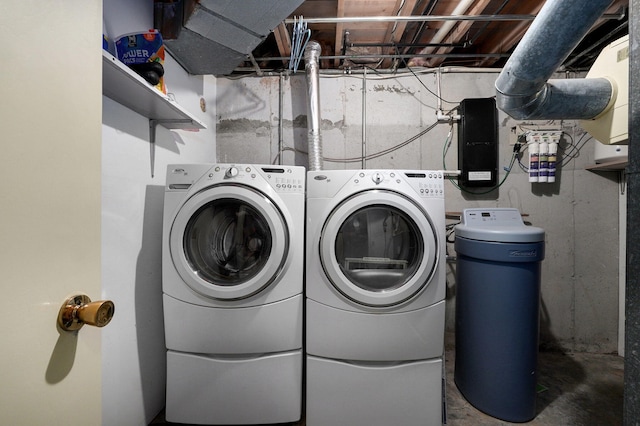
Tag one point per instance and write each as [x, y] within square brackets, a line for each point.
[312, 65]
[523, 88]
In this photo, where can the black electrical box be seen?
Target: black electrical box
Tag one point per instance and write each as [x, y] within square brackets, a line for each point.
[478, 143]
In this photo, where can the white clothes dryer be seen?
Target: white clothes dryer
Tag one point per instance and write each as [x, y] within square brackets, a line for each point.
[233, 244]
[375, 290]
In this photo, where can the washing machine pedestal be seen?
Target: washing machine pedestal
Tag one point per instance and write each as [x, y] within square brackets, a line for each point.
[233, 391]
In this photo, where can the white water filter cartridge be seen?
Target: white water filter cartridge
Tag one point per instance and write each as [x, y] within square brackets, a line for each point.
[534, 159]
[553, 156]
[543, 165]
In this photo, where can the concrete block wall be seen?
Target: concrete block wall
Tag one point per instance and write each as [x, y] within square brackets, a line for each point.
[579, 212]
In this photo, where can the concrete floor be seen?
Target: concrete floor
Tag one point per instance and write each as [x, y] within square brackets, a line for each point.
[581, 389]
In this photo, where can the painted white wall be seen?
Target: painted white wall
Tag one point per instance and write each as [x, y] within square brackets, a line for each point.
[579, 212]
[133, 361]
[134, 352]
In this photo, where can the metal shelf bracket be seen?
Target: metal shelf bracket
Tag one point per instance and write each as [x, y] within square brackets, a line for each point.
[153, 124]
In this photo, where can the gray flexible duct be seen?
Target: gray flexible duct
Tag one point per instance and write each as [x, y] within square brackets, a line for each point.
[523, 88]
[312, 66]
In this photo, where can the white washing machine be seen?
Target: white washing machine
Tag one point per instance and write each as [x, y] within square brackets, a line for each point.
[375, 290]
[233, 243]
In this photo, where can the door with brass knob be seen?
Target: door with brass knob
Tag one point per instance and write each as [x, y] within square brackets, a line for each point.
[80, 310]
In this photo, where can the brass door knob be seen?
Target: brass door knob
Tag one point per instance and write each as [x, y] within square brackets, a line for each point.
[80, 310]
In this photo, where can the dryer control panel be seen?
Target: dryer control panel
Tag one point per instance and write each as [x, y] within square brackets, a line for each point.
[425, 183]
[428, 183]
[283, 179]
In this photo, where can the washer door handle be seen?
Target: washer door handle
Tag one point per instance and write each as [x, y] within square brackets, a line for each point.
[79, 310]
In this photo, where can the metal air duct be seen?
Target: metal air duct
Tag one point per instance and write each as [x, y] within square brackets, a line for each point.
[523, 88]
[312, 69]
[215, 36]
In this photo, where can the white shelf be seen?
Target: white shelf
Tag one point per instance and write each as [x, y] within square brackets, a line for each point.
[609, 166]
[129, 89]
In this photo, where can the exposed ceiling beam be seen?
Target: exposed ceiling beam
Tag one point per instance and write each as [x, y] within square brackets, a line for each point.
[384, 32]
[396, 29]
[283, 40]
[504, 41]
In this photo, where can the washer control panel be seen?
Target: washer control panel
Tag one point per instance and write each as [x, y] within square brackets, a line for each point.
[287, 184]
[377, 178]
[283, 179]
[231, 172]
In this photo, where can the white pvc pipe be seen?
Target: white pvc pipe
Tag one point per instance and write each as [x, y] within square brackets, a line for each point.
[444, 30]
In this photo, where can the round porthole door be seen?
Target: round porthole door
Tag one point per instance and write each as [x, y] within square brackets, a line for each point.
[229, 242]
[379, 248]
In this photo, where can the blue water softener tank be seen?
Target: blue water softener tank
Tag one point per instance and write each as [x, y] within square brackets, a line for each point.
[497, 312]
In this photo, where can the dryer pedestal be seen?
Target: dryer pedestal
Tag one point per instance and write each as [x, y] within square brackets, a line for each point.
[363, 336]
[374, 394]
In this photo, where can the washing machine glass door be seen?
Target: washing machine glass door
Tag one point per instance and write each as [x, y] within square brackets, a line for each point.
[379, 248]
[229, 242]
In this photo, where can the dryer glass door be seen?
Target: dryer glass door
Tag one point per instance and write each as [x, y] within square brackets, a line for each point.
[379, 248]
[229, 242]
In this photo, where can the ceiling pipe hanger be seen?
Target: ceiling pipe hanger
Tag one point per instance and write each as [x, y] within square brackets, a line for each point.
[434, 18]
